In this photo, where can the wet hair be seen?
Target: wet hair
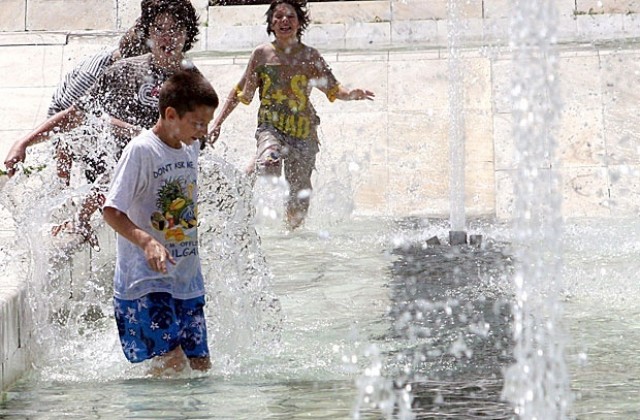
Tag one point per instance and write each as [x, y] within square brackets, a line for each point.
[133, 42]
[186, 90]
[300, 9]
[182, 12]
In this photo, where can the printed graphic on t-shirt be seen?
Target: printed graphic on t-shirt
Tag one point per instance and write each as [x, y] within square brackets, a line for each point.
[149, 94]
[284, 101]
[176, 214]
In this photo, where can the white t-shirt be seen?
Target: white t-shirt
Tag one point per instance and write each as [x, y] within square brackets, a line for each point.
[156, 186]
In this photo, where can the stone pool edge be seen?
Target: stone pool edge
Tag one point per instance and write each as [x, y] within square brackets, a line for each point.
[15, 359]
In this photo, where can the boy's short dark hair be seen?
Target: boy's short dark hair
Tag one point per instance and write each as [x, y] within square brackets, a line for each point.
[182, 12]
[186, 90]
[301, 12]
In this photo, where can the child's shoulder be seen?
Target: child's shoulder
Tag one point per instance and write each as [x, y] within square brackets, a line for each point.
[142, 140]
[309, 49]
[262, 50]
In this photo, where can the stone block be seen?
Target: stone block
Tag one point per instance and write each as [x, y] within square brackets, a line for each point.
[360, 139]
[414, 31]
[580, 137]
[421, 87]
[620, 74]
[69, 15]
[631, 25]
[223, 76]
[327, 35]
[371, 196]
[350, 12]
[503, 141]
[23, 108]
[434, 9]
[476, 73]
[622, 136]
[248, 15]
[128, 12]
[590, 7]
[15, 367]
[478, 133]
[624, 190]
[496, 31]
[584, 192]
[235, 38]
[479, 190]
[501, 85]
[12, 15]
[367, 35]
[418, 164]
[5, 299]
[600, 27]
[32, 39]
[579, 81]
[369, 75]
[493, 9]
[17, 66]
[505, 198]
[417, 193]
[11, 320]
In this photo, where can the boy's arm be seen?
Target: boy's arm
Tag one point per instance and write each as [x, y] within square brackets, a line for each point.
[330, 86]
[345, 94]
[229, 105]
[155, 253]
[63, 121]
[242, 92]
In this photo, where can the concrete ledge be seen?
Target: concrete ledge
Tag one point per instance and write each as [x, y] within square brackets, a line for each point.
[14, 324]
[32, 38]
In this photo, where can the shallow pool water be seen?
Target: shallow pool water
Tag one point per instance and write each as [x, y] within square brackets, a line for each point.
[374, 324]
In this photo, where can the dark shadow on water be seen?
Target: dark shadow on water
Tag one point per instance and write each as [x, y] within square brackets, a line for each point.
[451, 312]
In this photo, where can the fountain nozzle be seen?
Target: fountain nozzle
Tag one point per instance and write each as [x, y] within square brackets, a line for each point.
[459, 237]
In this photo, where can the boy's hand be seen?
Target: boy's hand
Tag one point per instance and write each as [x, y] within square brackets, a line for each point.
[157, 256]
[16, 155]
[214, 134]
[360, 94]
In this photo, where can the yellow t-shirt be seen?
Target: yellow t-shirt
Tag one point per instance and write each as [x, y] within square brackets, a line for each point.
[284, 95]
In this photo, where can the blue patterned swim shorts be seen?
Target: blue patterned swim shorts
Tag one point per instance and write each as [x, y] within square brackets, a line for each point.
[157, 323]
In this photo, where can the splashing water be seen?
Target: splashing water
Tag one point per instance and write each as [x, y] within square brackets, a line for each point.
[456, 119]
[537, 384]
[69, 286]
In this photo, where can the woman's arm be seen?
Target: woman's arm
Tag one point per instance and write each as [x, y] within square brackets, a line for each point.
[124, 129]
[61, 122]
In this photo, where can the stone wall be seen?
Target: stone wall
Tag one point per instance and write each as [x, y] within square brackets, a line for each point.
[400, 140]
[355, 21]
[390, 157]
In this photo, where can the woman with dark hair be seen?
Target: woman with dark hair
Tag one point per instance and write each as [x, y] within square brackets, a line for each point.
[285, 71]
[126, 93]
[78, 81]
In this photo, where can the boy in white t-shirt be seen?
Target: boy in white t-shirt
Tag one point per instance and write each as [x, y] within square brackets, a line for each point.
[152, 205]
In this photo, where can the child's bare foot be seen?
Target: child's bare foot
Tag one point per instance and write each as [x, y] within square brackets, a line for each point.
[200, 363]
[171, 363]
[294, 219]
